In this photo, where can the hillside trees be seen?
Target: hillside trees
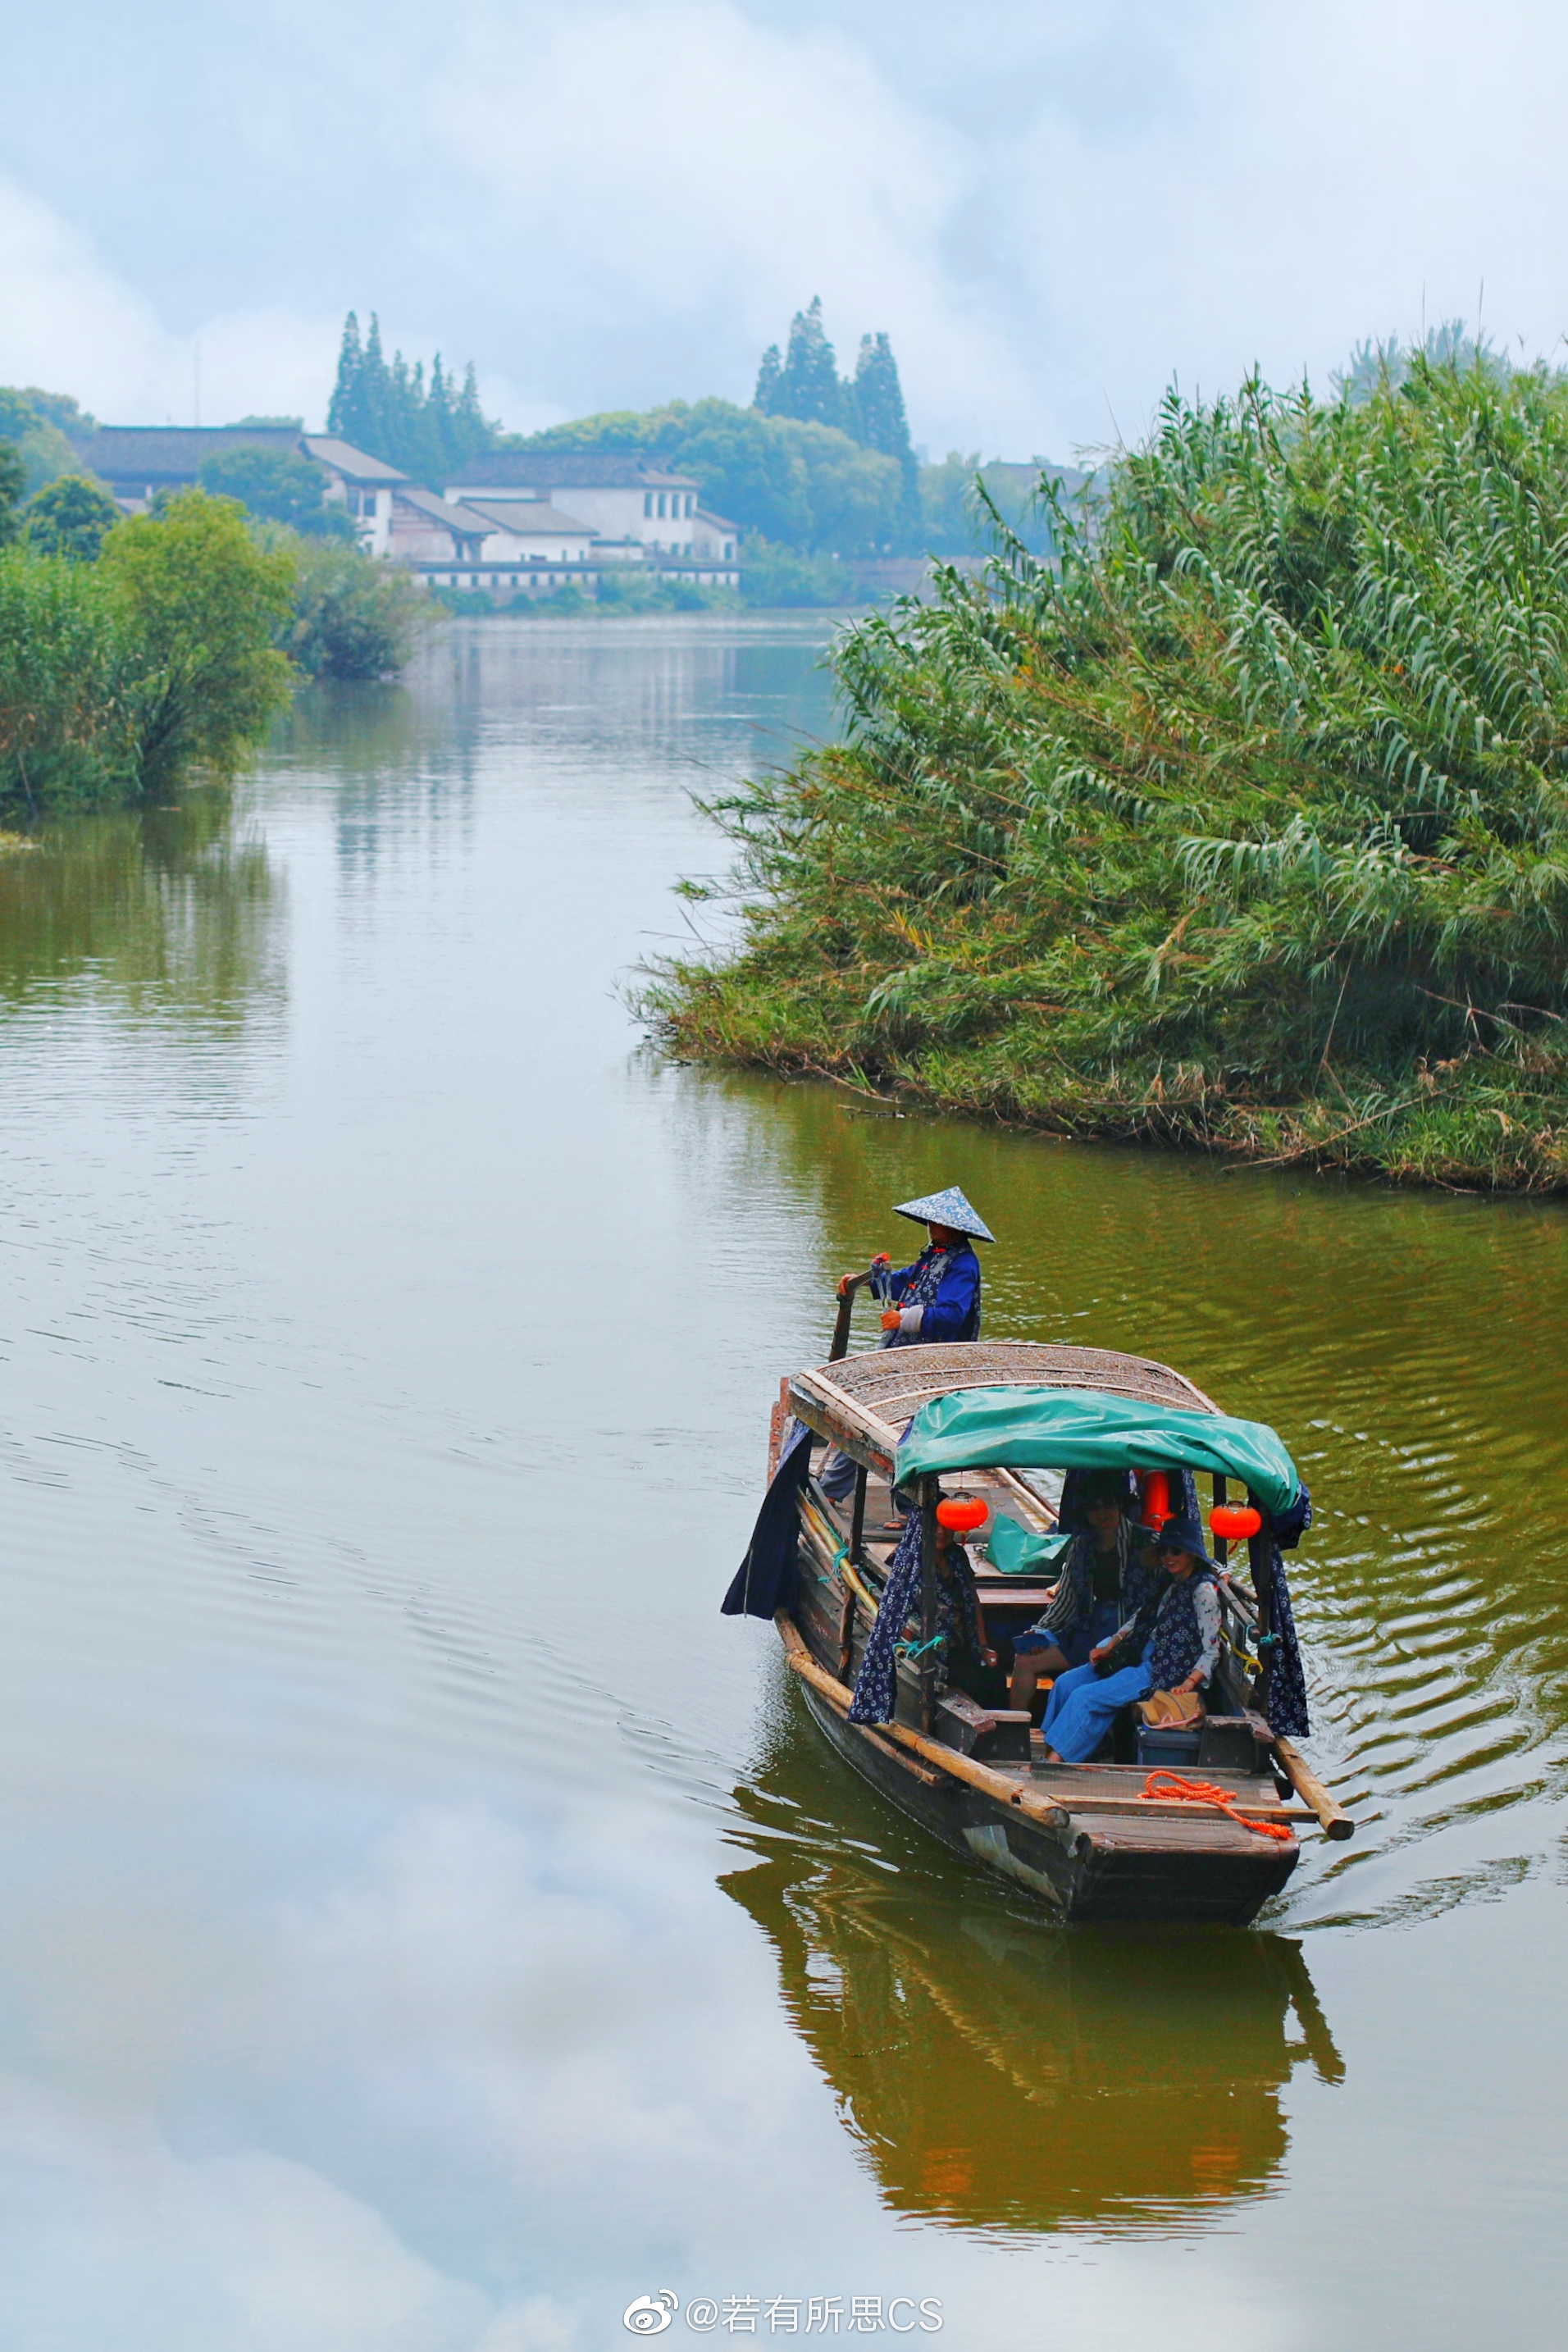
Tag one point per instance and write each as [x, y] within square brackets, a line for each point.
[13, 483]
[35, 425]
[869, 409]
[809, 487]
[70, 516]
[277, 486]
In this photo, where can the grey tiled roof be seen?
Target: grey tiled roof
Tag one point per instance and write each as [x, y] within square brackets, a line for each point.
[162, 454]
[462, 522]
[528, 516]
[518, 469]
[354, 463]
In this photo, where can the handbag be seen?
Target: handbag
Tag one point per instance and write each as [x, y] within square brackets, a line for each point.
[1170, 1707]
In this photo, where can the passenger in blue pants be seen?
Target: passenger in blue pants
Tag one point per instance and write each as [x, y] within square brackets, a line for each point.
[1173, 1644]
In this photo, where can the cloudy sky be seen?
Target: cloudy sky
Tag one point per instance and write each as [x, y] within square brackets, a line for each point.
[1054, 206]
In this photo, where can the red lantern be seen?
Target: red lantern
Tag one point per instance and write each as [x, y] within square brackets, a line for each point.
[962, 1514]
[1235, 1520]
[1155, 1489]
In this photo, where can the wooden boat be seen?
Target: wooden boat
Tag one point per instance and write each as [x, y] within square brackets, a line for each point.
[1084, 1837]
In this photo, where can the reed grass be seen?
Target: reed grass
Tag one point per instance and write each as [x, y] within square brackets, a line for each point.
[1243, 827]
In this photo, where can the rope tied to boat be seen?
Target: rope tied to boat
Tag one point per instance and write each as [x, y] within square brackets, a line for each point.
[1173, 1789]
[913, 1650]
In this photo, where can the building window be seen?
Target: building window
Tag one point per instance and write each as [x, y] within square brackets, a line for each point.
[647, 502]
[663, 506]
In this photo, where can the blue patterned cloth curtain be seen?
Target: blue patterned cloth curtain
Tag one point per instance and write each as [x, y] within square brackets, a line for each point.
[877, 1682]
[1287, 1678]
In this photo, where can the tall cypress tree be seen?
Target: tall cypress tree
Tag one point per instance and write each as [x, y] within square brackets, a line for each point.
[880, 421]
[472, 431]
[439, 411]
[392, 414]
[351, 358]
[765, 399]
[808, 386]
[371, 405]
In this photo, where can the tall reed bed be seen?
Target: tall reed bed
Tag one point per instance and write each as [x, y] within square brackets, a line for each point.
[1245, 827]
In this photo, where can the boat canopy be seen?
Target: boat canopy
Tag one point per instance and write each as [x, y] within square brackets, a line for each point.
[1088, 1429]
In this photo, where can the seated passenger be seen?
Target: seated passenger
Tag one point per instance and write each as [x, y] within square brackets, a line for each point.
[957, 1610]
[1171, 1645]
[1103, 1584]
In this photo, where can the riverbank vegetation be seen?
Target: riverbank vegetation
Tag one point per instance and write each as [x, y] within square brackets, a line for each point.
[135, 651]
[119, 674]
[1244, 827]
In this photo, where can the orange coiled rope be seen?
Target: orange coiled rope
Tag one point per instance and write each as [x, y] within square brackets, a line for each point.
[1173, 1790]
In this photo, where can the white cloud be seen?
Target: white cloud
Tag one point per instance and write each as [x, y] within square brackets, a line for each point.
[69, 323]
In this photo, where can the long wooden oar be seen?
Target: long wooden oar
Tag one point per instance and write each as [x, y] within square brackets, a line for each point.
[846, 1309]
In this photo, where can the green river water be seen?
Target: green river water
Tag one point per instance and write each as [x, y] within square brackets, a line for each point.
[428, 1925]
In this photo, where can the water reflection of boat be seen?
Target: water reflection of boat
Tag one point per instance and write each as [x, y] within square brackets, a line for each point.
[1097, 1839]
[999, 2079]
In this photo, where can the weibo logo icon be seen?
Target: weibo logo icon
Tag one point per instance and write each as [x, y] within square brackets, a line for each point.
[650, 2315]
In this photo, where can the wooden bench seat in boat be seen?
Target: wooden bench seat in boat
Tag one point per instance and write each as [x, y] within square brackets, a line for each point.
[991, 1735]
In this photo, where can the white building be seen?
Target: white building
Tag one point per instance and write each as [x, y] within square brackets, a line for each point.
[531, 531]
[714, 540]
[515, 521]
[361, 483]
[621, 498]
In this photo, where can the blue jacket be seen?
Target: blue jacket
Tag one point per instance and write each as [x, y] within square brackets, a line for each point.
[944, 1307]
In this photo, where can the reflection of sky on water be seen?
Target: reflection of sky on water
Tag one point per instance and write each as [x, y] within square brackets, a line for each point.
[412, 1942]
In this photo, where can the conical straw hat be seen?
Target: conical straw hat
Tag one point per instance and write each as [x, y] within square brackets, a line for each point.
[949, 1208]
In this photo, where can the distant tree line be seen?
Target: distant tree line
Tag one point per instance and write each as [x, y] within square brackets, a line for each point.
[820, 465]
[869, 406]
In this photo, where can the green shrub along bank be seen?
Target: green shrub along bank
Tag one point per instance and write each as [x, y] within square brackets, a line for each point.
[1245, 827]
[117, 675]
[136, 651]
[352, 617]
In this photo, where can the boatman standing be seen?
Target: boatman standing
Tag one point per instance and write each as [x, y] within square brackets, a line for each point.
[937, 1297]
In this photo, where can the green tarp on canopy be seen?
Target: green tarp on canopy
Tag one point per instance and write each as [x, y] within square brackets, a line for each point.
[1015, 1550]
[1085, 1429]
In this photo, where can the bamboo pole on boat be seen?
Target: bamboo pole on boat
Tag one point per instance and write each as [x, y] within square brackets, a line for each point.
[1000, 1786]
[857, 1542]
[928, 1497]
[858, 1514]
[1336, 1822]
